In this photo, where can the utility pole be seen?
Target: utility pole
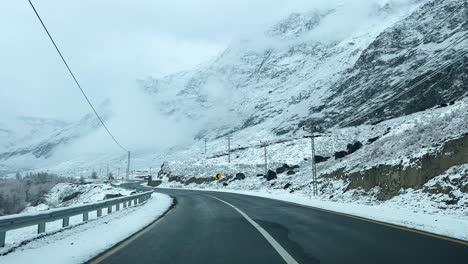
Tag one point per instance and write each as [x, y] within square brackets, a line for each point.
[229, 148]
[128, 166]
[205, 146]
[264, 145]
[314, 165]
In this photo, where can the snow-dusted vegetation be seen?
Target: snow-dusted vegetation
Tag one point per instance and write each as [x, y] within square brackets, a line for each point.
[19, 192]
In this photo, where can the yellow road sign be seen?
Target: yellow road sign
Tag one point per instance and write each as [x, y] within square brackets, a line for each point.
[218, 176]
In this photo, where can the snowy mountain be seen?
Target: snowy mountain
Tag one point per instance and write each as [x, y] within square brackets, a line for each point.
[297, 76]
[26, 129]
[308, 70]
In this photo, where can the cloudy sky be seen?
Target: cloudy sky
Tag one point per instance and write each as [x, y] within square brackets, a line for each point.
[111, 43]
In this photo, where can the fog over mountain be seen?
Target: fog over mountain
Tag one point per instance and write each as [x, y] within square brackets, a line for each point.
[325, 65]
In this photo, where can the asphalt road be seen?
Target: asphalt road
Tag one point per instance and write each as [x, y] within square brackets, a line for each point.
[202, 229]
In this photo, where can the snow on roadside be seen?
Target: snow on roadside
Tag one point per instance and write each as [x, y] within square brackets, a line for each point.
[62, 195]
[84, 241]
[438, 224]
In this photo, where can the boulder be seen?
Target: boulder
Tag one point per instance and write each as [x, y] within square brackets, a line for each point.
[287, 186]
[372, 140]
[319, 158]
[271, 175]
[340, 154]
[280, 170]
[353, 147]
[225, 184]
[239, 176]
[290, 172]
[71, 196]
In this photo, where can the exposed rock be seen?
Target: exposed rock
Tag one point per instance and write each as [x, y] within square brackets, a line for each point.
[271, 175]
[71, 196]
[280, 170]
[290, 172]
[287, 186]
[392, 178]
[319, 158]
[464, 188]
[239, 176]
[353, 147]
[340, 154]
[225, 184]
[111, 196]
[197, 180]
[154, 183]
[372, 140]
[437, 188]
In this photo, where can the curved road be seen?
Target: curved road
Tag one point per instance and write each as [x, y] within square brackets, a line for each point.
[204, 227]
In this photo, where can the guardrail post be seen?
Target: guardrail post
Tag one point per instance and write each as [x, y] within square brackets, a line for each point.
[85, 216]
[2, 238]
[99, 212]
[117, 207]
[124, 204]
[66, 222]
[41, 228]
[135, 202]
[109, 209]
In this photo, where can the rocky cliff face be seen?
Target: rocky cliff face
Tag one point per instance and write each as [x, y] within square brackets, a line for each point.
[404, 59]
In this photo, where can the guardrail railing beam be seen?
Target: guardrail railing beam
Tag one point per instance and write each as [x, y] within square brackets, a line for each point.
[64, 214]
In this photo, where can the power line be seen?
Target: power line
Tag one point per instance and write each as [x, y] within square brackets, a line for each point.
[74, 78]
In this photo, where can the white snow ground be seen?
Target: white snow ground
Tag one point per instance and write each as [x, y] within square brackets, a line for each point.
[81, 241]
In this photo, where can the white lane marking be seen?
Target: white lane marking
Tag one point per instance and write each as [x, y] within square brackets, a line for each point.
[283, 253]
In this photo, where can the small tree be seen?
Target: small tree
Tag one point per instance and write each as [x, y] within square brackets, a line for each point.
[82, 180]
[18, 176]
[94, 175]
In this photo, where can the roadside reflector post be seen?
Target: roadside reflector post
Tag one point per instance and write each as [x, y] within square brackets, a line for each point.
[41, 228]
[2, 238]
[65, 221]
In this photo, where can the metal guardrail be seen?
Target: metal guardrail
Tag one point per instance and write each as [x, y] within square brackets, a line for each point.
[14, 222]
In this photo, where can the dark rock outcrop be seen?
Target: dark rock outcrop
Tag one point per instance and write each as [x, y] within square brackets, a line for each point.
[340, 154]
[353, 147]
[271, 175]
[111, 196]
[72, 196]
[239, 176]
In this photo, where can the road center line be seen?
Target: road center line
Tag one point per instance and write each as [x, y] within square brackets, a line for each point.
[283, 253]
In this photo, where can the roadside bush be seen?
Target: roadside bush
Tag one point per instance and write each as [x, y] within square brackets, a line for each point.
[19, 192]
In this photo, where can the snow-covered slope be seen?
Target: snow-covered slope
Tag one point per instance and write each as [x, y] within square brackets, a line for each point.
[296, 75]
[24, 130]
[320, 69]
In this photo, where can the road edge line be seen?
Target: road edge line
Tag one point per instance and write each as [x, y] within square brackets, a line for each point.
[277, 246]
[117, 247]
